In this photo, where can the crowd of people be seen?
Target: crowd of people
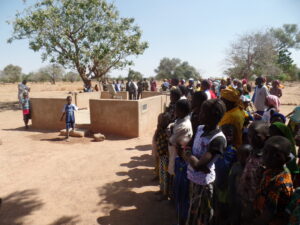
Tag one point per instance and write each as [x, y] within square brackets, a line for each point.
[226, 158]
[222, 157]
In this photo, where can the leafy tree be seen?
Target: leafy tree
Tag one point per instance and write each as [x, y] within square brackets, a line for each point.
[86, 35]
[54, 72]
[174, 68]
[166, 68]
[287, 37]
[253, 54]
[134, 75]
[186, 71]
[11, 74]
[72, 77]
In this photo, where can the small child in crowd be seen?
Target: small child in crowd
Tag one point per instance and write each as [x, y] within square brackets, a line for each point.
[181, 131]
[223, 166]
[26, 108]
[161, 141]
[276, 187]
[235, 174]
[68, 113]
[252, 174]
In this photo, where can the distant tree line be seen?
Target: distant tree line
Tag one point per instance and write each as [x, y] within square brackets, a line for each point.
[51, 73]
[266, 53]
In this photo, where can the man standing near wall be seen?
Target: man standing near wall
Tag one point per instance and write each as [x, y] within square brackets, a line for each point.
[132, 90]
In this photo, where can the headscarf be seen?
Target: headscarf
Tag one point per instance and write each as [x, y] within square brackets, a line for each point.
[244, 81]
[276, 114]
[274, 101]
[231, 94]
[277, 82]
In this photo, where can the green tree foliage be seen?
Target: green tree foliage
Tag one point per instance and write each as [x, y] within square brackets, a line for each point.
[86, 35]
[11, 74]
[54, 72]
[174, 68]
[252, 54]
[287, 37]
[134, 75]
[265, 53]
[71, 77]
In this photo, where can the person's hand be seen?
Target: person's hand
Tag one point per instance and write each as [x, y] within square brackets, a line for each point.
[187, 153]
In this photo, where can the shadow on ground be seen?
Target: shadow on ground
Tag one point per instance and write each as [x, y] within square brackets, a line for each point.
[9, 106]
[30, 129]
[131, 200]
[18, 205]
[141, 148]
[66, 220]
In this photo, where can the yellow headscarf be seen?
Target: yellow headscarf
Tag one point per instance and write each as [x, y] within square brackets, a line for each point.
[231, 94]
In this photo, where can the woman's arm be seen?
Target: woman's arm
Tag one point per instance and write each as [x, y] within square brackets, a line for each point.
[215, 147]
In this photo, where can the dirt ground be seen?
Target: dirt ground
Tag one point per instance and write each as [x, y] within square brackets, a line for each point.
[47, 181]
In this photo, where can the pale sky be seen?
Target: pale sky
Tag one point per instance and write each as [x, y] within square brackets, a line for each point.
[197, 31]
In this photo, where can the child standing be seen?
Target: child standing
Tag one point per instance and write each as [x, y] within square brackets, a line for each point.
[276, 187]
[235, 174]
[208, 144]
[26, 109]
[223, 166]
[161, 141]
[68, 112]
[250, 180]
[182, 133]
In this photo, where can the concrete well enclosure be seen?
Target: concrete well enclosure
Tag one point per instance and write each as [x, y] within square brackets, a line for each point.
[46, 113]
[109, 116]
[119, 95]
[126, 118]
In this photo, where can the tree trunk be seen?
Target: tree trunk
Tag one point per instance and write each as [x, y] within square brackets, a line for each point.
[84, 79]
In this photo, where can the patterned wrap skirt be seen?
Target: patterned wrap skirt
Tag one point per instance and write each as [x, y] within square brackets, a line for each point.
[201, 204]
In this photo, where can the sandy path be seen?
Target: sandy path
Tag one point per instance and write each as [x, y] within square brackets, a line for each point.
[47, 181]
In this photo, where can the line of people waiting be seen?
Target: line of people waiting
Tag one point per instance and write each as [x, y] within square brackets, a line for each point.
[224, 158]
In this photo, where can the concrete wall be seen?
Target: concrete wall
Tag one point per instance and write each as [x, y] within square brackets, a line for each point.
[112, 116]
[147, 94]
[82, 99]
[46, 113]
[122, 94]
[149, 109]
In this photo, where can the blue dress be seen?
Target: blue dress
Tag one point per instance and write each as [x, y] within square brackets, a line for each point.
[70, 115]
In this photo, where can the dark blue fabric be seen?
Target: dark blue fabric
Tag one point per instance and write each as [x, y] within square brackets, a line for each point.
[223, 166]
[70, 116]
[181, 188]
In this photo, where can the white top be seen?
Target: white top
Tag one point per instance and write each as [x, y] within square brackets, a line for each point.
[183, 97]
[267, 115]
[181, 135]
[71, 107]
[200, 147]
[260, 98]
[207, 92]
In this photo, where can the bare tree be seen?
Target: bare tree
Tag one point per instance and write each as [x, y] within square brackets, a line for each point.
[251, 54]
